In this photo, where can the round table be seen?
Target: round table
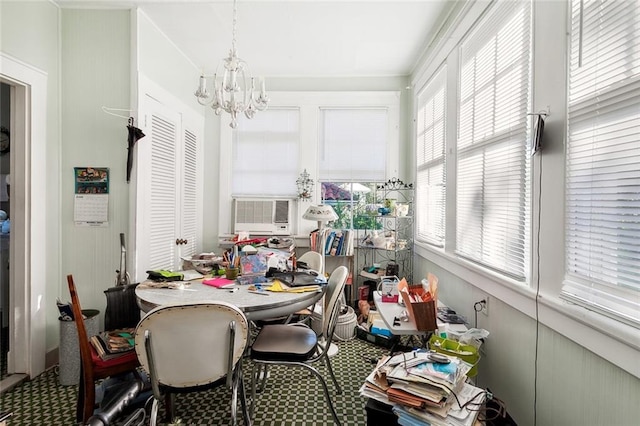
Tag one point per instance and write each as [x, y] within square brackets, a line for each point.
[255, 306]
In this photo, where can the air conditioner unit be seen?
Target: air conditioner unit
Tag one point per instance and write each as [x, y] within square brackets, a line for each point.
[262, 216]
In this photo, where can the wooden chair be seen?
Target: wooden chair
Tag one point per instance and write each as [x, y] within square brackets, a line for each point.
[92, 367]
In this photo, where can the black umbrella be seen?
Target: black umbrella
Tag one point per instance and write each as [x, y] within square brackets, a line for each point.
[134, 135]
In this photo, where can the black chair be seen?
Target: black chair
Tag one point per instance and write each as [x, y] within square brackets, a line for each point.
[297, 345]
[122, 309]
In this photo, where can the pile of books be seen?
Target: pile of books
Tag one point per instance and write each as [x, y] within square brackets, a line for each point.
[337, 242]
[110, 344]
[424, 391]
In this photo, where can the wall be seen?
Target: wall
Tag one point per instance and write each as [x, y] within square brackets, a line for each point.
[570, 381]
[29, 31]
[95, 73]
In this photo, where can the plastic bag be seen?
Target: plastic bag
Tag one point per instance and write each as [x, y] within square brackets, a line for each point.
[473, 337]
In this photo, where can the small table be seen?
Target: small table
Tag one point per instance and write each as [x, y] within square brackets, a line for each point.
[389, 311]
[255, 306]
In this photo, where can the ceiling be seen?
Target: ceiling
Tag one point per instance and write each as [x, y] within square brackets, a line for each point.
[297, 38]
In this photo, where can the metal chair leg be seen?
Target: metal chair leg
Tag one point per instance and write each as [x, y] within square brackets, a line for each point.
[153, 418]
[327, 361]
[325, 389]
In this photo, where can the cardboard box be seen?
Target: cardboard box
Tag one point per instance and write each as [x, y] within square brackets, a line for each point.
[422, 313]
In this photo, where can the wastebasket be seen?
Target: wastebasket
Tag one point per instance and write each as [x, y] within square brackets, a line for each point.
[69, 352]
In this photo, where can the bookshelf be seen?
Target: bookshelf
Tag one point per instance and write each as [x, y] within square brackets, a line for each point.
[388, 243]
[337, 247]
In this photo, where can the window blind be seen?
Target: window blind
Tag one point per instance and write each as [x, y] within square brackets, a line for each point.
[430, 160]
[345, 135]
[492, 202]
[602, 227]
[265, 153]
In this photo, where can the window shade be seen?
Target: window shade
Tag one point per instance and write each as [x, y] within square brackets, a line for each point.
[492, 202]
[347, 133]
[265, 153]
[430, 160]
[603, 160]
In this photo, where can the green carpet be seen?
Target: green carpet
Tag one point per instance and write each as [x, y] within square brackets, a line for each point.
[292, 396]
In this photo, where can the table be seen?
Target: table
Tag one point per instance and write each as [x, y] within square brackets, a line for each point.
[389, 311]
[255, 306]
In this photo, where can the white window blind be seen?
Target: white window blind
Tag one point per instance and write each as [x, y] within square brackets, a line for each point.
[603, 159]
[492, 203]
[430, 160]
[346, 134]
[265, 153]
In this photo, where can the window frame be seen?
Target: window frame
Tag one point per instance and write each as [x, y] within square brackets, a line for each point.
[310, 105]
[616, 342]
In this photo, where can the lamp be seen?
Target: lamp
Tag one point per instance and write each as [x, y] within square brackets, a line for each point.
[232, 94]
[321, 213]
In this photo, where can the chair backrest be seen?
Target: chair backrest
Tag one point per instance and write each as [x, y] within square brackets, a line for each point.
[191, 345]
[332, 305]
[313, 260]
[122, 309]
[83, 339]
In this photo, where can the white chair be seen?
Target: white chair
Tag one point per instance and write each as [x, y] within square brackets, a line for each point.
[188, 348]
[297, 345]
[313, 260]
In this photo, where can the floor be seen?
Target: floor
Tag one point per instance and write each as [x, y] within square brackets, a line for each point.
[285, 402]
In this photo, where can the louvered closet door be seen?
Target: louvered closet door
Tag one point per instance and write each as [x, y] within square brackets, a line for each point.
[168, 205]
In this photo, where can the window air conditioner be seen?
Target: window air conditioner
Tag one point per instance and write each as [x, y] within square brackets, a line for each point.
[261, 216]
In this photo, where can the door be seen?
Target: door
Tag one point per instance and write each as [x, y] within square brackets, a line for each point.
[168, 186]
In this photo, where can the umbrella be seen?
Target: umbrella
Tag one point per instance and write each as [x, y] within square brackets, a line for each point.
[134, 135]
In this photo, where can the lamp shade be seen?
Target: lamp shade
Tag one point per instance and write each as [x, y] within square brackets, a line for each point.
[320, 213]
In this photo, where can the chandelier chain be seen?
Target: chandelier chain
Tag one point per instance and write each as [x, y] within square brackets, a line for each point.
[235, 92]
[233, 31]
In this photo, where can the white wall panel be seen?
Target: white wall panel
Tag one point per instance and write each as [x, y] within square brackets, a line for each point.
[96, 71]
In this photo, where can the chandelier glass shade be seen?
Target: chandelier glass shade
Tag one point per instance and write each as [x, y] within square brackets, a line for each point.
[235, 91]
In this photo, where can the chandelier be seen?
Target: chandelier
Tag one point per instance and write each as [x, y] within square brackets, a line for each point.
[232, 93]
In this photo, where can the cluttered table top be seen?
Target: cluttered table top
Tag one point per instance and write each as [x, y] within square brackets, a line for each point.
[258, 301]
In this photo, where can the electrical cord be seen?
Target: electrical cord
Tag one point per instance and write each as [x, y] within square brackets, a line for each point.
[535, 367]
[477, 307]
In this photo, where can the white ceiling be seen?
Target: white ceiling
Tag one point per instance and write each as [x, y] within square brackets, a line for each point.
[297, 38]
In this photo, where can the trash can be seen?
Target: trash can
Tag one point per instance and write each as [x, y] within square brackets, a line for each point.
[69, 352]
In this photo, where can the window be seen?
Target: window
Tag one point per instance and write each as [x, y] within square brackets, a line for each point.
[348, 178]
[344, 135]
[492, 200]
[430, 160]
[265, 153]
[322, 132]
[603, 160]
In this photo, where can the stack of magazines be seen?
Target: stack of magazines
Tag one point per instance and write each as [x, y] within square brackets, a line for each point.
[424, 391]
[110, 344]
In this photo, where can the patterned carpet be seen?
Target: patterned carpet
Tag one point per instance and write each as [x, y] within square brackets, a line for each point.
[292, 397]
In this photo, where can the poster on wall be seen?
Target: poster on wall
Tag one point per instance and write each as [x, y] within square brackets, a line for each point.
[91, 203]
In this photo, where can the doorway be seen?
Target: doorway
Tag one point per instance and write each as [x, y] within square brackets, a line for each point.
[26, 346]
[5, 222]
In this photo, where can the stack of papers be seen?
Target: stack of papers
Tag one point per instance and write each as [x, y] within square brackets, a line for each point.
[423, 391]
[278, 286]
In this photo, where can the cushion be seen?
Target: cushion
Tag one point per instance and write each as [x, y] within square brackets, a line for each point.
[281, 342]
[123, 358]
